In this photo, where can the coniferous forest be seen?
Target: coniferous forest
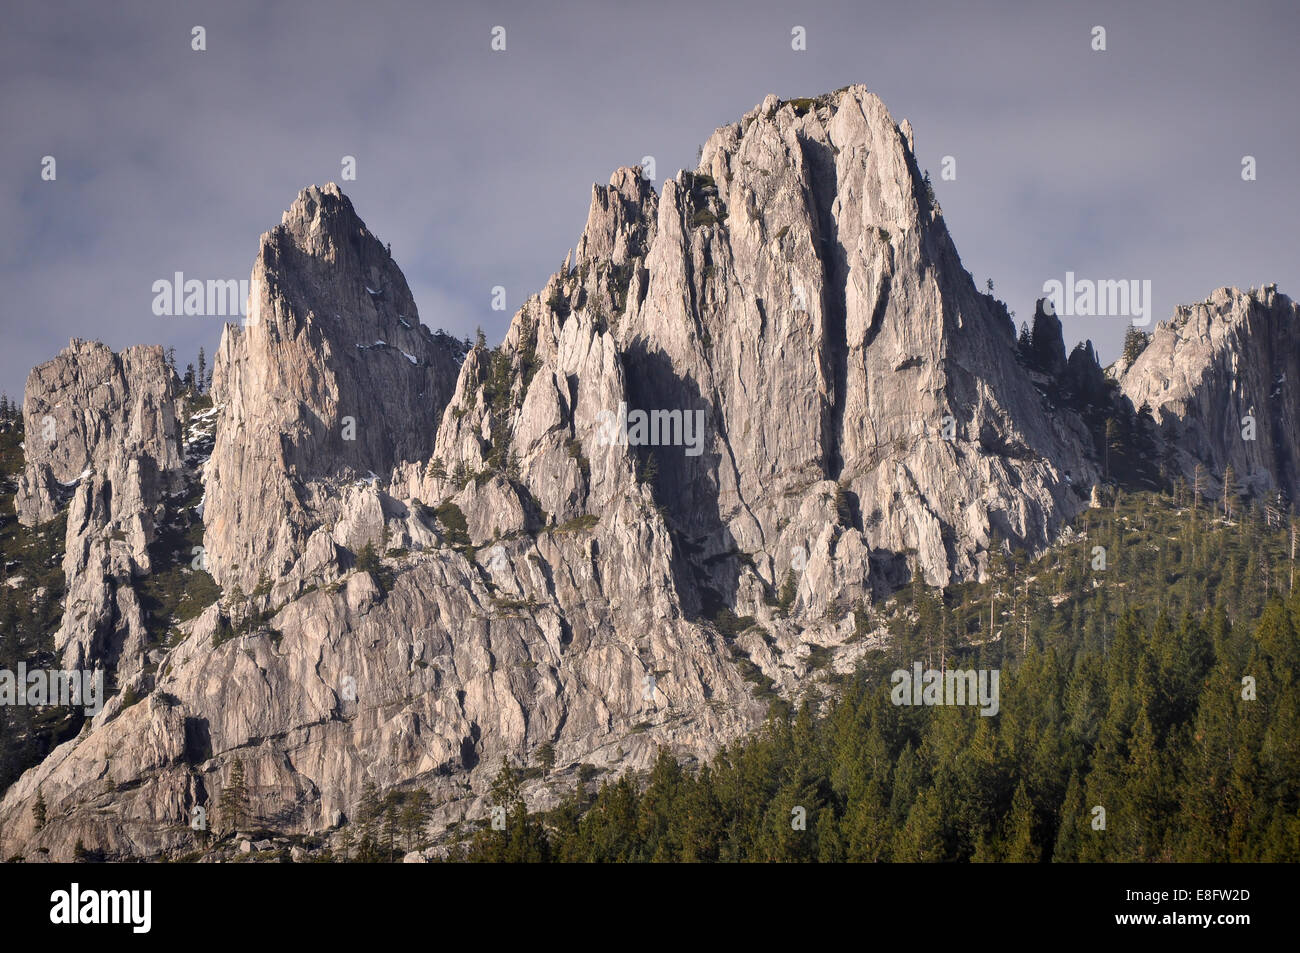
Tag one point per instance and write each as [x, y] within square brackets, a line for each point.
[1126, 691]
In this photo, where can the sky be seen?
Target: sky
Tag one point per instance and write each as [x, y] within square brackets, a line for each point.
[477, 165]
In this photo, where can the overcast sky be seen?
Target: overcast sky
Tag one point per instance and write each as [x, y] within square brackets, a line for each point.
[477, 165]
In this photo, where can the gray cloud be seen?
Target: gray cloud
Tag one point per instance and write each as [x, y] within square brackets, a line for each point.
[478, 166]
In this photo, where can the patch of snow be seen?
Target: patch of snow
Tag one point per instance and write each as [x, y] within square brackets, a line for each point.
[411, 358]
[372, 290]
[77, 479]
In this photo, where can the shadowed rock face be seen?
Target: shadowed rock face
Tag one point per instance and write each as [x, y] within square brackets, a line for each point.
[799, 292]
[1219, 372]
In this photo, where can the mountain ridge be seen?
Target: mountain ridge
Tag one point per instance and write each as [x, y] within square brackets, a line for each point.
[474, 572]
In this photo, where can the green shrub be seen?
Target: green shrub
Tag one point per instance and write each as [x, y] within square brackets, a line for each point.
[454, 525]
[579, 523]
[575, 451]
[789, 589]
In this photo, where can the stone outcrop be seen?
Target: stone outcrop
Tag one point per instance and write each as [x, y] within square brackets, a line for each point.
[1222, 381]
[103, 436]
[802, 290]
[332, 379]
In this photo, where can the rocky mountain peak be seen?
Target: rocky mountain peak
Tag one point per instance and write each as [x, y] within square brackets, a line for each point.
[333, 377]
[621, 219]
[802, 291]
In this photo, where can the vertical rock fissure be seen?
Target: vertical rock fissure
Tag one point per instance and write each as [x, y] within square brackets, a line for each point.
[823, 188]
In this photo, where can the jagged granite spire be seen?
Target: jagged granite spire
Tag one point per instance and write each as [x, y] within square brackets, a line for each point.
[333, 377]
[102, 436]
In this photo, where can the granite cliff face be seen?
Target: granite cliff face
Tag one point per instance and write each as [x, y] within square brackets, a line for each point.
[774, 374]
[1221, 380]
[802, 289]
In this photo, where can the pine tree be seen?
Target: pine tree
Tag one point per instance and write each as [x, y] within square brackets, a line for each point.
[369, 812]
[697, 824]
[657, 808]
[233, 804]
[789, 590]
[1021, 847]
[1074, 824]
[920, 840]
[545, 756]
[415, 818]
[38, 810]
[522, 840]
[1113, 444]
[203, 371]
[830, 849]
[345, 843]
[1135, 342]
[392, 820]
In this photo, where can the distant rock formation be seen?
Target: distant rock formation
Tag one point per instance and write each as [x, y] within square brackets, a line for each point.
[1222, 381]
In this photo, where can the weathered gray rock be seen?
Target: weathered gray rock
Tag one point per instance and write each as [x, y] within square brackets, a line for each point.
[102, 429]
[443, 674]
[332, 381]
[568, 629]
[1222, 381]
